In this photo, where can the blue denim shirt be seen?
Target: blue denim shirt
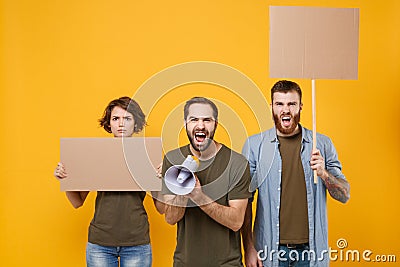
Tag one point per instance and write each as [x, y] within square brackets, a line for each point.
[262, 152]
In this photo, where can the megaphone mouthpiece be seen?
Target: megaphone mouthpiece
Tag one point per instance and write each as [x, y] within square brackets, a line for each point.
[182, 176]
[180, 179]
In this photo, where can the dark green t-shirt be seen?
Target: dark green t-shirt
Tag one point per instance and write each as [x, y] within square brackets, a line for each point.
[201, 241]
[119, 219]
[293, 211]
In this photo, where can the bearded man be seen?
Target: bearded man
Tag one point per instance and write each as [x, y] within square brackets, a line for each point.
[210, 217]
[290, 227]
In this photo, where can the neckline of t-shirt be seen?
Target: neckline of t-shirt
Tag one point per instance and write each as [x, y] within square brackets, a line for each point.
[223, 147]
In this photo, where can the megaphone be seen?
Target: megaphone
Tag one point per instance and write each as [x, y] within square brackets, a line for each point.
[180, 179]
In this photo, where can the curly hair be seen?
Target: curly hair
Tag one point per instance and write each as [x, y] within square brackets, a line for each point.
[127, 104]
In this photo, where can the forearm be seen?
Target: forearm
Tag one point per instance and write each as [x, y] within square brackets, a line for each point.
[246, 230]
[175, 207]
[250, 254]
[77, 198]
[231, 216]
[338, 188]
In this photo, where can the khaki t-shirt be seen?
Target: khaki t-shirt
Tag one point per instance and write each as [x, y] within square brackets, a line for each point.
[293, 218]
[201, 241]
[119, 220]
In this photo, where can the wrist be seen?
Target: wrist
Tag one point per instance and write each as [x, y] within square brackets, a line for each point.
[325, 175]
[201, 199]
[248, 245]
[181, 201]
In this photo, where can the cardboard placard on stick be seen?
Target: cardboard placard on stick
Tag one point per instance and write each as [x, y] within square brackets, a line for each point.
[111, 164]
[313, 43]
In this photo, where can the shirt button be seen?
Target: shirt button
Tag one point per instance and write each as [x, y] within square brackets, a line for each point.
[280, 170]
[277, 225]
[279, 189]
[277, 207]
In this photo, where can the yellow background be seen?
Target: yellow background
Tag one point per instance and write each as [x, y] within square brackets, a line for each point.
[63, 61]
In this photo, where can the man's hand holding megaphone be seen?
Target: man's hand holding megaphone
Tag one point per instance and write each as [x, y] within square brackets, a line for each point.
[197, 195]
[180, 179]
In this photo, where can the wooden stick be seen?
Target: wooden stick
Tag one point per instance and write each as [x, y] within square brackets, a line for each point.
[314, 122]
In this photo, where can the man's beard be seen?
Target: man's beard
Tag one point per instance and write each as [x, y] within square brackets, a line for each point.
[280, 128]
[207, 142]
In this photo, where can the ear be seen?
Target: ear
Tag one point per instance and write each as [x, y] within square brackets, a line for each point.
[301, 106]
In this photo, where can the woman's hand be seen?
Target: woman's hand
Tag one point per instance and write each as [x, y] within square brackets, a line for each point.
[60, 172]
[159, 170]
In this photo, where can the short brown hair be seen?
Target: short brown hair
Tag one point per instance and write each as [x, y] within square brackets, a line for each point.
[285, 86]
[127, 104]
[200, 100]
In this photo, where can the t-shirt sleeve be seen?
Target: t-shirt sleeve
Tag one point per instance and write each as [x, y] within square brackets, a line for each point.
[240, 180]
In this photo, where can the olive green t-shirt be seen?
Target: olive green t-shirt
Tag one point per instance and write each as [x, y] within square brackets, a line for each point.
[119, 219]
[201, 241]
[293, 219]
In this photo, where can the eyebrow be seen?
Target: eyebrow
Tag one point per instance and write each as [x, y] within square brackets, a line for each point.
[128, 116]
[201, 117]
[290, 102]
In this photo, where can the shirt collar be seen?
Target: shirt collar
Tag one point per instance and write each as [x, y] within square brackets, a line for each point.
[272, 136]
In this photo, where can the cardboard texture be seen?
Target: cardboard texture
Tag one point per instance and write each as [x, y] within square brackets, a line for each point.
[314, 42]
[111, 164]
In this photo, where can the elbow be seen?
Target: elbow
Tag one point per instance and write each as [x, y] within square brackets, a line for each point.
[235, 229]
[243, 215]
[77, 205]
[160, 207]
[346, 198]
[168, 217]
[161, 211]
[343, 198]
[236, 226]
[172, 214]
[76, 198]
[170, 220]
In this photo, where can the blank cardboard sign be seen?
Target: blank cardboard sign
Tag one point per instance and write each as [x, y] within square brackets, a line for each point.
[314, 42]
[111, 164]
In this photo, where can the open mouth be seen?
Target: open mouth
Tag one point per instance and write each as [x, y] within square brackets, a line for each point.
[200, 137]
[286, 121]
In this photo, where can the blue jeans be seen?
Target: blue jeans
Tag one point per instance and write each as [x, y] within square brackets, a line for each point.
[293, 257]
[104, 256]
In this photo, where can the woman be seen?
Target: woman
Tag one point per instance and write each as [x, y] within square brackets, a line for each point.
[119, 230]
